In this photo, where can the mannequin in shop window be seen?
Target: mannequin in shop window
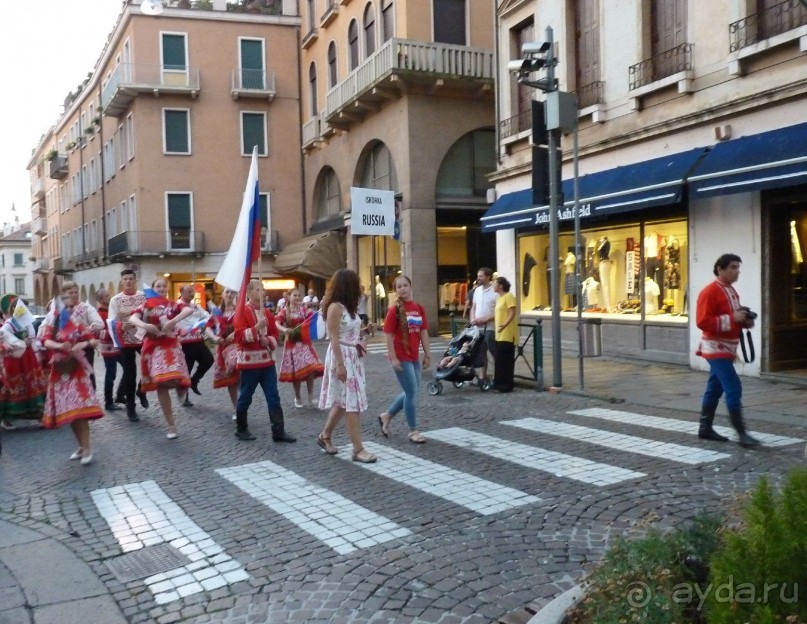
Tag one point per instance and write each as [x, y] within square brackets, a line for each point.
[569, 286]
[672, 271]
[605, 268]
[651, 293]
[380, 299]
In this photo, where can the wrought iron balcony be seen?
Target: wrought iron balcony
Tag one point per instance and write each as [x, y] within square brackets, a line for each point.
[662, 65]
[139, 243]
[518, 123]
[57, 168]
[401, 63]
[256, 83]
[590, 94]
[773, 21]
[130, 79]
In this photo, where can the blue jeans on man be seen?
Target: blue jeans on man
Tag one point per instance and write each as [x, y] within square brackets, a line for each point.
[249, 380]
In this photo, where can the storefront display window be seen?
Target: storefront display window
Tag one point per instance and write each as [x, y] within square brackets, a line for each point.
[631, 271]
[379, 262]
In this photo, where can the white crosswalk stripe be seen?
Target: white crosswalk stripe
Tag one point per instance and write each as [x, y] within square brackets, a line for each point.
[559, 464]
[141, 514]
[338, 522]
[679, 426]
[380, 347]
[479, 495]
[619, 441]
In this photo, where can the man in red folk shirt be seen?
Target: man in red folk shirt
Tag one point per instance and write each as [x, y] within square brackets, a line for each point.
[256, 338]
[108, 350]
[721, 318]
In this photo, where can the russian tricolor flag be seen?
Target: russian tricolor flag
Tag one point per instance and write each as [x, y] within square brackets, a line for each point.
[115, 332]
[236, 270]
[152, 298]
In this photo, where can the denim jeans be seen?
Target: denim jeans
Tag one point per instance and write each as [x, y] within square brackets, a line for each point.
[409, 378]
[249, 380]
[723, 378]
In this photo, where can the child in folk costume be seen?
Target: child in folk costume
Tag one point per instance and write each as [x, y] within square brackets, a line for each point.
[162, 361]
[300, 360]
[25, 384]
[11, 347]
[222, 331]
[256, 336]
[71, 399]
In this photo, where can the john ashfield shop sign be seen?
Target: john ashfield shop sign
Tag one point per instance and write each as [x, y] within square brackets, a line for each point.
[372, 211]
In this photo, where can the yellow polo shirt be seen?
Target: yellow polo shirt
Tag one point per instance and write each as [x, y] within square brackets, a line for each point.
[510, 333]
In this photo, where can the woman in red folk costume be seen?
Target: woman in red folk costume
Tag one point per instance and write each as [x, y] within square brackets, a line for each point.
[300, 361]
[162, 362]
[221, 331]
[71, 399]
[24, 381]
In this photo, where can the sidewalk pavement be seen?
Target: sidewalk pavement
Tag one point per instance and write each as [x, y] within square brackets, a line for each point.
[42, 581]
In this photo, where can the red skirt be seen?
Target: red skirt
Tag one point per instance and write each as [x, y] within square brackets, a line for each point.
[162, 363]
[70, 397]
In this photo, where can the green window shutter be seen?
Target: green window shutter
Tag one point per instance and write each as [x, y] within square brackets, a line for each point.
[176, 131]
[263, 209]
[179, 211]
[252, 74]
[253, 131]
[174, 52]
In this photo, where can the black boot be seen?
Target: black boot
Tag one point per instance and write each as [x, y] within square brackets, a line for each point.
[736, 416]
[241, 430]
[144, 401]
[278, 429]
[131, 412]
[705, 432]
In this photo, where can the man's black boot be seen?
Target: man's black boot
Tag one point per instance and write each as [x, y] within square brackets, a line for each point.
[705, 431]
[736, 416]
[278, 428]
[241, 430]
[131, 413]
[144, 401]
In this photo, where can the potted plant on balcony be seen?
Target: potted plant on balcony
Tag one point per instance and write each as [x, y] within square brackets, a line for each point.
[71, 145]
[51, 154]
[89, 130]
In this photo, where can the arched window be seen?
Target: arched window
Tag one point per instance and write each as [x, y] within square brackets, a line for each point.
[464, 170]
[353, 44]
[387, 19]
[379, 170]
[369, 30]
[327, 198]
[312, 88]
[332, 65]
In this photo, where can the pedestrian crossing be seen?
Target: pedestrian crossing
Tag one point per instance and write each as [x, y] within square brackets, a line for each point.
[141, 514]
[381, 347]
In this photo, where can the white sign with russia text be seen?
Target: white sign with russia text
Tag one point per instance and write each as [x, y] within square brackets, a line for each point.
[372, 211]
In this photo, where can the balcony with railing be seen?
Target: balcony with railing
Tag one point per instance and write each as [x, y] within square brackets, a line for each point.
[42, 265]
[58, 168]
[401, 64]
[132, 79]
[311, 132]
[515, 125]
[39, 226]
[253, 83]
[270, 241]
[781, 24]
[38, 188]
[140, 243]
[670, 68]
[310, 37]
[63, 265]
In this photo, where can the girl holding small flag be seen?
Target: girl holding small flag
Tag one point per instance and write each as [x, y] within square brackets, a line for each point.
[69, 328]
[406, 329]
[162, 362]
[221, 331]
[24, 382]
[300, 360]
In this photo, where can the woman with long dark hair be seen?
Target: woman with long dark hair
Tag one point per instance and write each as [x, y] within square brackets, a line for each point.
[406, 329]
[343, 386]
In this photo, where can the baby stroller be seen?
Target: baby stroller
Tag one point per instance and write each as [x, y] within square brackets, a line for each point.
[464, 350]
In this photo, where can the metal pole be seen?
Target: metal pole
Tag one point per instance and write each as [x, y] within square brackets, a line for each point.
[554, 226]
[579, 252]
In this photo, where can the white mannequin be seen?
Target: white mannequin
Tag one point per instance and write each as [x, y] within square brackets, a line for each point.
[651, 293]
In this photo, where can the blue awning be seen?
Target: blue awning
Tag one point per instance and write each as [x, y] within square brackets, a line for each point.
[762, 161]
[656, 182]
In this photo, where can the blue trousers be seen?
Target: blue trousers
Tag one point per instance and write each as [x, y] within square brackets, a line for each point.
[250, 379]
[409, 378]
[723, 378]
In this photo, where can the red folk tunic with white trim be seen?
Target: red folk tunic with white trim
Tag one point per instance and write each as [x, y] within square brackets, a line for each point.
[251, 353]
[717, 304]
[106, 347]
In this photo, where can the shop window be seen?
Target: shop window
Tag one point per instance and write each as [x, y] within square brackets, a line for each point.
[633, 271]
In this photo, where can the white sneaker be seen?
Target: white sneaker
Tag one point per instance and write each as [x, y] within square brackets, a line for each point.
[7, 425]
[235, 416]
[298, 403]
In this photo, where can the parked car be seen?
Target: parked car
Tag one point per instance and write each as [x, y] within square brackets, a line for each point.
[38, 318]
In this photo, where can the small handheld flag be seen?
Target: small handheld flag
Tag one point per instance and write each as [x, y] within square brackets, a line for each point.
[153, 299]
[115, 332]
[22, 316]
[312, 328]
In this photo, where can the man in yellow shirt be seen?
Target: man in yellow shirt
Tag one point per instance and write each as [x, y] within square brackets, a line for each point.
[506, 336]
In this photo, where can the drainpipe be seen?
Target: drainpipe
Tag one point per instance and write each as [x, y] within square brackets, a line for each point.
[103, 174]
[497, 124]
[300, 130]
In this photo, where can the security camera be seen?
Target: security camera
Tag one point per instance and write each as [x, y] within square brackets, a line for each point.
[517, 67]
[535, 47]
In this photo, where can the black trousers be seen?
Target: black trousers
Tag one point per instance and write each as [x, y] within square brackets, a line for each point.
[128, 381]
[504, 366]
[197, 352]
[89, 353]
[111, 366]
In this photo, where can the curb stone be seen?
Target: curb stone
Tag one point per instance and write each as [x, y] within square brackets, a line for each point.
[555, 611]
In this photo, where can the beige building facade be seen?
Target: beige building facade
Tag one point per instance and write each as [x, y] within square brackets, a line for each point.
[398, 95]
[147, 166]
[692, 127]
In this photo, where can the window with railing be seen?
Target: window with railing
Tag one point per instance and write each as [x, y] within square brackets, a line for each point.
[515, 124]
[661, 66]
[769, 20]
[590, 94]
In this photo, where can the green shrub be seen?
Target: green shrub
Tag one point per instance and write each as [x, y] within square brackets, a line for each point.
[759, 576]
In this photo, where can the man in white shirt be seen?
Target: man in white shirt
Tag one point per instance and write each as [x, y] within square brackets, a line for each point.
[483, 312]
[310, 301]
[121, 307]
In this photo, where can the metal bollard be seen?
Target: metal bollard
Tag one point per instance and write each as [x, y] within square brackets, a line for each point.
[538, 355]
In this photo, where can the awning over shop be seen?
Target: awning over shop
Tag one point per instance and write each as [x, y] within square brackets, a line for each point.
[511, 210]
[762, 161]
[318, 255]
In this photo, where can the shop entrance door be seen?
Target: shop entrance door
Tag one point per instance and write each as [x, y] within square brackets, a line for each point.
[786, 282]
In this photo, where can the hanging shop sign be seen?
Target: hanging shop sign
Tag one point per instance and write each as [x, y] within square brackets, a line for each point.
[372, 211]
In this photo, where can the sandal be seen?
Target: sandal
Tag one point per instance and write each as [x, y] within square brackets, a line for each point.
[416, 437]
[367, 459]
[325, 444]
[384, 426]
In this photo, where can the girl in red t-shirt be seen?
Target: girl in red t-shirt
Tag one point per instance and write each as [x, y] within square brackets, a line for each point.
[406, 329]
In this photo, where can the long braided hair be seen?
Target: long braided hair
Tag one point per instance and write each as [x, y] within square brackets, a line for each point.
[400, 313]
